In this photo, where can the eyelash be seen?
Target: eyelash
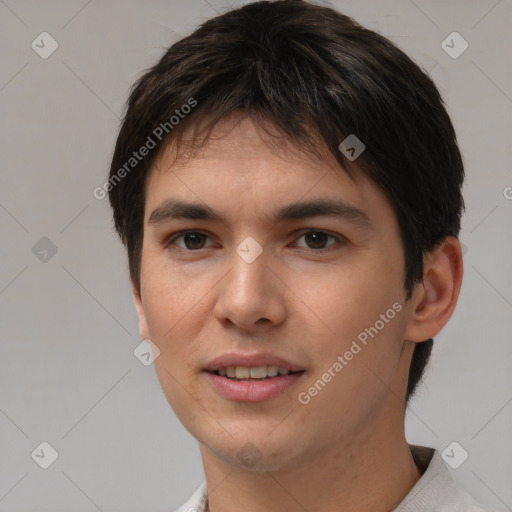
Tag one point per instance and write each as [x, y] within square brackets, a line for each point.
[339, 239]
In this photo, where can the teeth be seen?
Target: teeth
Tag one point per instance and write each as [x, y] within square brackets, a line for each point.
[242, 372]
[257, 372]
[272, 371]
[260, 372]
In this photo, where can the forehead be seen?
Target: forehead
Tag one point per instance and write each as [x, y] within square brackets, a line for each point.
[240, 136]
[243, 163]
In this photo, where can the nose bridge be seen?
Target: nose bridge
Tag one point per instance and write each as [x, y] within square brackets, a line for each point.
[249, 291]
[248, 271]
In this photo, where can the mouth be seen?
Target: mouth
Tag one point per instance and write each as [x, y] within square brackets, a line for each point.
[257, 373]
[244, 377]
[256, 384]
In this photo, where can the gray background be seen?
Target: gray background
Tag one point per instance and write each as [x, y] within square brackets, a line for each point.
[68, 374]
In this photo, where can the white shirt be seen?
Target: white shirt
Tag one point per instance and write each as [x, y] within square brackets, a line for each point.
[435, 491]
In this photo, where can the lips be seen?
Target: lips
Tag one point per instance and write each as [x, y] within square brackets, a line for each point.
[230, 376]
[251, 361]
[253, 390]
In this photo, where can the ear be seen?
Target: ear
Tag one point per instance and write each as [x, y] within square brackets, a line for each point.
[434, 300]
[143, 326]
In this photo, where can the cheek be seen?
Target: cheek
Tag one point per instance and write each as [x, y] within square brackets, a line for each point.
[167, 305]
[172, 310]
[352, 299]
[170, 297]
[362, 320]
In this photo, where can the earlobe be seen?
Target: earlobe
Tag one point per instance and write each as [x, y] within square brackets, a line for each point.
[143, 326]
[434, 299]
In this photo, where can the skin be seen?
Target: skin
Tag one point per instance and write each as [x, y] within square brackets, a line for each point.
[345, 449]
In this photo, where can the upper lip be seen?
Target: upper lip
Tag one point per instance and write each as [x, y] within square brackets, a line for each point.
[251, 361]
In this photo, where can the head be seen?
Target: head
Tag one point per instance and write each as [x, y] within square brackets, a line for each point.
[247, 114]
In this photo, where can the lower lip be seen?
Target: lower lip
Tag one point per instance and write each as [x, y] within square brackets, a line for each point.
[252, 390]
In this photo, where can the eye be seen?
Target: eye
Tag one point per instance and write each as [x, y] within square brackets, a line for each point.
[192, 238]
[319, 238]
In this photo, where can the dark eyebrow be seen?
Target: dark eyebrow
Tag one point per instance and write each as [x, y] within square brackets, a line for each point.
[177, 209]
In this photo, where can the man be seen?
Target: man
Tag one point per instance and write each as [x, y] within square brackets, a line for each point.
[288, 187]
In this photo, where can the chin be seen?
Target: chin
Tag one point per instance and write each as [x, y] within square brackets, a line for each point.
[253, 453]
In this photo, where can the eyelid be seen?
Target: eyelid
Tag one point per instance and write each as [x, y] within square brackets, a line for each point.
[340, 239]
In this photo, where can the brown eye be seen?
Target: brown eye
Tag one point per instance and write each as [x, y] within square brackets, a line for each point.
[316, 240]
[193, 240]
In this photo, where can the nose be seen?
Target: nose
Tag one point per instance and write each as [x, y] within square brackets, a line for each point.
[251, 296]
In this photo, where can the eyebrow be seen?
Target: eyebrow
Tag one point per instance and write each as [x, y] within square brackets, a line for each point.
[176, 209]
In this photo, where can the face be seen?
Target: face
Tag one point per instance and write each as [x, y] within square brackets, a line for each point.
[313, 292]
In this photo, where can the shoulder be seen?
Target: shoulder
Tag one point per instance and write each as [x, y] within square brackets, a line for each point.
[437, 490]
[197, 502]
